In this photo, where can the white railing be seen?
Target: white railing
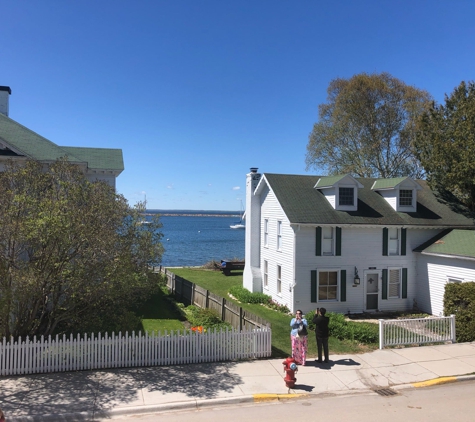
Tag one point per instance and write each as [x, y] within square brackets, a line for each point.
[62, 354]
[416, 331]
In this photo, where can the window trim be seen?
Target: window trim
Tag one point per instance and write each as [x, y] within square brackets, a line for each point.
[279, 235]
[455, 280]
[338, 284]
[266, 274]
[279, 279]
[266, 232]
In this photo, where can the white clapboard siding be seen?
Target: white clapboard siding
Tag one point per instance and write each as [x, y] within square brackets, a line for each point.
[361, 248]
[60, 354]
[273, 212]
[434, 273]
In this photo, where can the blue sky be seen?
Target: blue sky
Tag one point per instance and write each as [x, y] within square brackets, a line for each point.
[195, 92]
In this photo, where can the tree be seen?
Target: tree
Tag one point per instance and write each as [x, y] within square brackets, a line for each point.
[71, 251]
[445, 144]
[367, 127]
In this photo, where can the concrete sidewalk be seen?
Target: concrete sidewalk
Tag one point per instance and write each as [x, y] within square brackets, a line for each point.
[94, 395]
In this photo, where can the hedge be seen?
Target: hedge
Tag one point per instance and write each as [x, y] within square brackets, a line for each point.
[459, 300]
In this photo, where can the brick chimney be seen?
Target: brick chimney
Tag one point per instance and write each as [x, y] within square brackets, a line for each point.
[5, 91]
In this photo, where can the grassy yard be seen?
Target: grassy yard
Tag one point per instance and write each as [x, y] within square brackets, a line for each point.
[159, 314]
[220, 284]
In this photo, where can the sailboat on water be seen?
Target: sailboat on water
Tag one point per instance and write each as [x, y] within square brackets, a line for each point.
[145, 221]
[240, 223]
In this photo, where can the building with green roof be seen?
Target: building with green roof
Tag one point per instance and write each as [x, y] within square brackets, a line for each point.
[348, 244]
[17, 142]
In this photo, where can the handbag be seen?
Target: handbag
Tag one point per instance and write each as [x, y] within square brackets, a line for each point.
[303, 331]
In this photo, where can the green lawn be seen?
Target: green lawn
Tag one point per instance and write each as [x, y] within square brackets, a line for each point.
[220, 284]
[159, 314]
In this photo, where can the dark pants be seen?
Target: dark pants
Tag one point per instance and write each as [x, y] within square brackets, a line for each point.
[322, 341]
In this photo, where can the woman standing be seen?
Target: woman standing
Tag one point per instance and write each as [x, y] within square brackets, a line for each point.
[299, 340]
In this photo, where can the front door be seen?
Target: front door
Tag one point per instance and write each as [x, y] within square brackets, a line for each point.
[372, 289]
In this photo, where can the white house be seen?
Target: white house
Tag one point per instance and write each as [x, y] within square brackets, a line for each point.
[446, 258]
[20, 143]
[343, 243]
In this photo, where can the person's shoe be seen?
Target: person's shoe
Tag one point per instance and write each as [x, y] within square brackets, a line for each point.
[318, 360]
[326, 361]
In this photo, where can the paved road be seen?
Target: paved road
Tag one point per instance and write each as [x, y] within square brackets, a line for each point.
[441, 403]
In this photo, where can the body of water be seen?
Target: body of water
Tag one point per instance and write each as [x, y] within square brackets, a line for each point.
[193, 238]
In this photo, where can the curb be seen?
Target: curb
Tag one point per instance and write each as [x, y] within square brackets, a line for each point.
[435, 381]
[204, 403]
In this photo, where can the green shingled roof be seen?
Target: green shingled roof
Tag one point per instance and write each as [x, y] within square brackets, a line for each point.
[327, 181]
[304, 204]
[34, 146]
[98, 158]
[455, 242]
[388, 183]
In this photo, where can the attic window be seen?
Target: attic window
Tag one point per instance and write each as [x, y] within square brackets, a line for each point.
[346, 196]
[405, 198]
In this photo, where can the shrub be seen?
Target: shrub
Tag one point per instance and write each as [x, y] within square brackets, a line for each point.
[272, 304]
[459, 300]
[207, 318]
[342, 329]
[245, 296]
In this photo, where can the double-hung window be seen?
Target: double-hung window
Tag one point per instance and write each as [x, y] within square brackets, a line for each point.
[328, 285]
[405, 198]
[394, 283]
[327, 241]
[393, 242]
[346, 196]
[266, 274]
[279, 279]
[266, 232]
[279, 235]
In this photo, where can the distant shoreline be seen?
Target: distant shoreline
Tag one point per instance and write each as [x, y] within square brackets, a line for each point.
[184, 214]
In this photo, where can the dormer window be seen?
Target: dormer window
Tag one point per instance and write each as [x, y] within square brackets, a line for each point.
[399, 192]
[346, 196]
[405, 198]
[340, 191]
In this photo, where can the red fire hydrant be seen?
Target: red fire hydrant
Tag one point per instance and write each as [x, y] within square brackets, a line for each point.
[290, 368]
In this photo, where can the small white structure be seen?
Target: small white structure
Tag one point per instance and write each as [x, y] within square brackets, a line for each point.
[20, 143]
[446, 258]
[340, 242]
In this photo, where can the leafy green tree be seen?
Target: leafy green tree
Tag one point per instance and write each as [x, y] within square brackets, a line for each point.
[445, 144]
[367, 127]
[73, 254]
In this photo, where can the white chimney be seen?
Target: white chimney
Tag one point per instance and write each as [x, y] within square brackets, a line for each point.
[5, 91]
[252, 277]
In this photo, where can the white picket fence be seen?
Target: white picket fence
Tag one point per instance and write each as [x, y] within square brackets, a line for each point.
[62, 354]
[416, 331]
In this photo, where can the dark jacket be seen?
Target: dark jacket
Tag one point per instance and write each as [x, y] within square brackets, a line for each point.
[321, 325]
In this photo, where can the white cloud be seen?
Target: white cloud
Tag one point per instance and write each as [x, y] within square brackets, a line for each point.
[236, 187]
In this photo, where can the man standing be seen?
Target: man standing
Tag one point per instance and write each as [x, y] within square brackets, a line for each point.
[321, 332]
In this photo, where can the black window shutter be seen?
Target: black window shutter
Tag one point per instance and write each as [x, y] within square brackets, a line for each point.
[404, 283]
[313, 286]
[343, 286]
[385, 241]
[384, 293]
[318, 240]
[403, 241]
[338, 242]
